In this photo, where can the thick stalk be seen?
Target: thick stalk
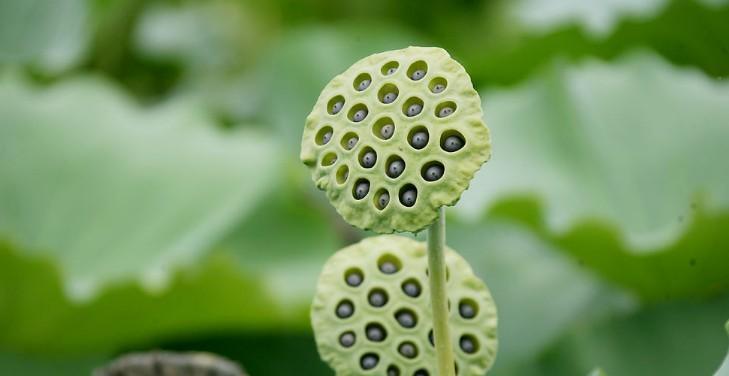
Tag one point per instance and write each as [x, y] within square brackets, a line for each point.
[438, 296]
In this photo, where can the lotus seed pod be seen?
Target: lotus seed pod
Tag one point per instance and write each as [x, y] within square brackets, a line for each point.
[395, 338]
[416, 105]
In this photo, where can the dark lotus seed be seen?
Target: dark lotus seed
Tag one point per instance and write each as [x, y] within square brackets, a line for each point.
[408, 197]
[364, 84]
[468, 345]
[452, 143]
[369, 361]
[386, 131]
[445, 111]
[345, 309]
[434, 172]
[375, 332]
[421, 372]
[418, 74]
[466, 310]
[377, 298]
[354, 278]
[359, 115]
[388, 267]
[389, 98]
[406, 319]
[411, 289]
[337, 107]
[352, 142]
[368, 159]
[383, 200]
[414, 109]
[347, 339]
[419, 139]
[408, 350]
[395, 168]
[438, 88]
[392, 370]
[391, 70]
[326, 137]
[362, 189]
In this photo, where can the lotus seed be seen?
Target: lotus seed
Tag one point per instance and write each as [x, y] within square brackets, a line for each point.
[391, 70]
[434, 172]
[383, 200]
[368, 159]
[395, 168]
[421, 372]
[375, 332]
[359, 115]
[389, 98]
[414, 109]
[326, 137]
[408, 350]
[445, 111]
[337, 107]
[393, 371]
[466, 310]
[362, 189]
[408, 197]
[468, 345]
[406, 319]
[388, 267]
[364, 84]
[345, 309]
[386, 131]
[347, 339]
[437, 88]
[354, 278]
[352, 142]
[418, 74]
[369, 361]
[377, 298]
[411, 289]
[419, 139]
[452, 143]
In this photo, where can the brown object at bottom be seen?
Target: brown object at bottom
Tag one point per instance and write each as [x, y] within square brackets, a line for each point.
[164, 363]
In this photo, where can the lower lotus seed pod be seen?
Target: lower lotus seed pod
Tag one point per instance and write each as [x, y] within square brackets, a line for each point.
[169, 363]
[395, 338]
[416, 106]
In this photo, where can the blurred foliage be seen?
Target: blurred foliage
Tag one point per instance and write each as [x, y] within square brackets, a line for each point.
[151, 194]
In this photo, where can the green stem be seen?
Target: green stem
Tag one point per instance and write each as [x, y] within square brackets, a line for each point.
[438, 296]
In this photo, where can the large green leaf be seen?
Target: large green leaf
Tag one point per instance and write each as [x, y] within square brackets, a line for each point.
[113, 191]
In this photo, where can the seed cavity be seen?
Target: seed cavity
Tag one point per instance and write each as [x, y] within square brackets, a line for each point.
[452, 141]
[367, 157]
[375, 332]
[377, 298]
[389, 264]
[408, 195]
[467, 308]
[347, 339]
[430, 338]
[432, 171]
[382, 198]
[349, 141]
[342, 174]
[408, 350]
[329, 159]
[411, 288]
[417, 70]
[354, 277]
[362, 82]
[335, 105]
[388, 93]
[358, 113]
[384, 128]
[345, 309]
[468, 343]
[438, 85]
[406, 318]
[392, 370]
[395, 166]
[418, 137]
[369, 361]
[390, 68]
[421, 372]
[445, 109]
[324, 135]
[412, 107]
[361, 188]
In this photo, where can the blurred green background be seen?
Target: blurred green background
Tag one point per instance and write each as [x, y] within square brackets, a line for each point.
[151, 194]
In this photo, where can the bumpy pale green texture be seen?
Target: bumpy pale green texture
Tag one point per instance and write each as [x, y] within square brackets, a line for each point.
[328, 161]
[411, 258]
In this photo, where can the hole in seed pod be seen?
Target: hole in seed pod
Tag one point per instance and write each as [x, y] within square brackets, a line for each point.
[342, 174]
[430, 338]
[324, 135]
[451, 141]
[468, 343]
[432, 171]
[438, 85]
[395, 166]
[421, 372]
[408, 195]
[353, 277]
[377, 297]
[388, 93]
[408, 350]
[455, 367]
[375, 332]
[384, 128]
[361, 189]
[335, 105]
[367, 157]
[468, 308]
[411, 288]
[418, 137]
[390, 68]
[369, 361]
[392, 370]
[448, 273]
[417, 70]
[349, 141]
[412, 107]
[406, 318]
[329, 159]
[445, 109]
[345, 309]
[362, 82]
[389, 264]
[358, 112]
[347, 339]
[382, 198]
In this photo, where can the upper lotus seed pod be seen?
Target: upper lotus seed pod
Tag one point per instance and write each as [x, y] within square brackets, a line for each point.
[394, 334]
[408, 108]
